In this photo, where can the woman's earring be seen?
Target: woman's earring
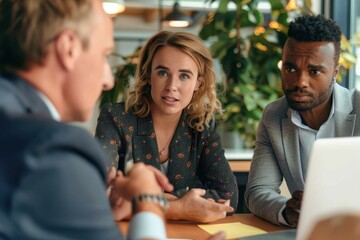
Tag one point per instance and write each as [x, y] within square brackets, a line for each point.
[334, 79]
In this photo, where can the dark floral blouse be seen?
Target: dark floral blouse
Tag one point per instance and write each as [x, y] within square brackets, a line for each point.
[196, 159]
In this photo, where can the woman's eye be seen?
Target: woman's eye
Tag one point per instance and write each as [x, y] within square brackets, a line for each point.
[184, 76]
[163, 73]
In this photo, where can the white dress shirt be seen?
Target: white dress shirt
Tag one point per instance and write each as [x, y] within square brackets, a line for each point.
[307, 137]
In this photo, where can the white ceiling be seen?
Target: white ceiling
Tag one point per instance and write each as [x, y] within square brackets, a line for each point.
[185, 4]
[141, 18]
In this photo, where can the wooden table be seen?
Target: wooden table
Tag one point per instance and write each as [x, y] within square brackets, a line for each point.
[239, 159]
[240, 165]
[190, 230]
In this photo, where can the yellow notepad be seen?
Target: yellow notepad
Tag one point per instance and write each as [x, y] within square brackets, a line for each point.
[232, 230]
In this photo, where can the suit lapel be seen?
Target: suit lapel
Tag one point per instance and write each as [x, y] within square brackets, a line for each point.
[180, 158]
[344, 125]
[344, 120]
[290, 138]
[145, 147]
[144, 142]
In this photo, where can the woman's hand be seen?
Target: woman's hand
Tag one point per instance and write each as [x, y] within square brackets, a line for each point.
[192, 206]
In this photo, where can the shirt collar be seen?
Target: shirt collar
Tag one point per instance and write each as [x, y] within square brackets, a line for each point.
[296, 118]
[54, 113]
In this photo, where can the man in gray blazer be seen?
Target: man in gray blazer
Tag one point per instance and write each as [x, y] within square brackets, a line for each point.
[314, 106]
[53, 67]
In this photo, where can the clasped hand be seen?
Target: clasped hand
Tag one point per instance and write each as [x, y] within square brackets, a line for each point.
[291, 211]
[141, 179]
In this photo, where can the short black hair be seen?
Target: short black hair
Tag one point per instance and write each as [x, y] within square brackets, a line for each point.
[316, 29]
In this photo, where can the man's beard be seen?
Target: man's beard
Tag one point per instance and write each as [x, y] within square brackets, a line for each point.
[307, 106]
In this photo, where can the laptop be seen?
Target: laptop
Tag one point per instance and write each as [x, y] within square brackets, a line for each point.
[332, 186]
[332, 182]
[279, 235]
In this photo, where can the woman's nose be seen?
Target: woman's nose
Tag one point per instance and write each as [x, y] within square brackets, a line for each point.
[171, 83]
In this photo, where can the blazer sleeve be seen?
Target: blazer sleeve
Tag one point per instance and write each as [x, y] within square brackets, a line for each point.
[109, 135]
[62, 191]
[262, 195]
[214, 169]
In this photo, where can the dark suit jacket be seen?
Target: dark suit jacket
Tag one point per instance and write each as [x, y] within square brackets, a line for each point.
[196, 158]
[18, 96]
[52, 175]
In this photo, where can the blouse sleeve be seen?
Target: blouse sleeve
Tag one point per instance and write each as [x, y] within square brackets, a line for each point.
[109, 135]
[215, 171]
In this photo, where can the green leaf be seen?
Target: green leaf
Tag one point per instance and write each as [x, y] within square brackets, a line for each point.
[250, 103]
[276, 4]
[263, 103]
[223, 6]
[283, 19]
[207, 31]
[233, 108]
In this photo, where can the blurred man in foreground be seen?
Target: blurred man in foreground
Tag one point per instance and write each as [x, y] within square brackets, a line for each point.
[53, 66]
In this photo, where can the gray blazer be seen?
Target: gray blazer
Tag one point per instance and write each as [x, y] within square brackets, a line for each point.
[52, 175]
[277, 152]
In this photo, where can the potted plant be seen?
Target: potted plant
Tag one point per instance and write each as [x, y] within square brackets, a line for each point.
[248, 44]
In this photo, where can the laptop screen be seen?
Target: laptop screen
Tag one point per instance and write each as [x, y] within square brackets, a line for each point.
[332, 184]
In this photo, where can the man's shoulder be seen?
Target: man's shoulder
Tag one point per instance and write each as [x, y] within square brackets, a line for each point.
[37, 153]
[29, 134]
[355, 94]
[19, 96]
[346, 100]
[37, 126]
[8, 94]
[278, 107]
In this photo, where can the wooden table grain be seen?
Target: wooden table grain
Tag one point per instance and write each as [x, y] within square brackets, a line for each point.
[190, 230]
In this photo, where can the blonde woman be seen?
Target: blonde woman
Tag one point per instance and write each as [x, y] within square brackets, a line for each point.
[168, 122]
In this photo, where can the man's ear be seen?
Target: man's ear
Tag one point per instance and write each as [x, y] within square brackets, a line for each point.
[68, 47]
[198, 83]
[336, 71]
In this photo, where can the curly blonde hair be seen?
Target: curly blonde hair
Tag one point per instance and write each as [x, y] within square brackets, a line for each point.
[204, 102]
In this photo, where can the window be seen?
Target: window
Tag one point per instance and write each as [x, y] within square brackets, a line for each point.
[354, 29]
